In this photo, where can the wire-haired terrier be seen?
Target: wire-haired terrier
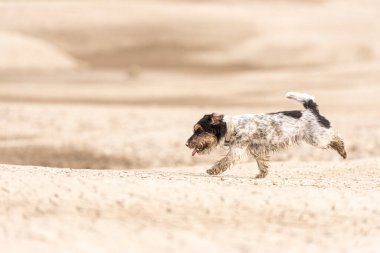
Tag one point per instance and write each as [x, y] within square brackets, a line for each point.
[259, 135]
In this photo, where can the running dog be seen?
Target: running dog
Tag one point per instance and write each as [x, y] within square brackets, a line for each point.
[259, 135]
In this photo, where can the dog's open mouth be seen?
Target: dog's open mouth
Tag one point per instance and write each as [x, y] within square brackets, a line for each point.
[199, 149]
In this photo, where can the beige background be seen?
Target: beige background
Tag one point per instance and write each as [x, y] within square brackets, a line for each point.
[118, 85]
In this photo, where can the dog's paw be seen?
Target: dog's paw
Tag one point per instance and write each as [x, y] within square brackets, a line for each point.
[261, 175]
[213, 171]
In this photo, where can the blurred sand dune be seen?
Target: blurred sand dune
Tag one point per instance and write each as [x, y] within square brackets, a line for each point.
[22, 52]
[207, 36]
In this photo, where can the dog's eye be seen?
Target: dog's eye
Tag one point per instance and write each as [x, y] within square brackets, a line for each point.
[198, 131]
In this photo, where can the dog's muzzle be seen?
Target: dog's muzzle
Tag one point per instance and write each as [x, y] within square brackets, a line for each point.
[196, 149]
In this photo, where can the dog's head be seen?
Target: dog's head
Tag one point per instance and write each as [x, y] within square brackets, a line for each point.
[208, 131]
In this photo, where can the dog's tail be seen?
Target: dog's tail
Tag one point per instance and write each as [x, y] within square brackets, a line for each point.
[306, 99]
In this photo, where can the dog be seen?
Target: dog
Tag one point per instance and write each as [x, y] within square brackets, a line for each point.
[259, 135]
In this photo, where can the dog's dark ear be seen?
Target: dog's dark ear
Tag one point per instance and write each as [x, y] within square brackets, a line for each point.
[216, 118]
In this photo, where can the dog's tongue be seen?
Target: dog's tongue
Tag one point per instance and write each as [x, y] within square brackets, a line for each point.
[194, 151]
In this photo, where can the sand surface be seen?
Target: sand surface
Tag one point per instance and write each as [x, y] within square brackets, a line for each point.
[329, 207]
[97, 100]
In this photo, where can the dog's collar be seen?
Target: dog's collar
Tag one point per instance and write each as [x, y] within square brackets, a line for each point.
[227, 138]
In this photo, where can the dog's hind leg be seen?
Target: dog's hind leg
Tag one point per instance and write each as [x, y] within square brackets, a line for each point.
[338, 145]
[327, 139]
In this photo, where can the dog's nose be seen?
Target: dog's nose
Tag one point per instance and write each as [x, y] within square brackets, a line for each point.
[187, 144]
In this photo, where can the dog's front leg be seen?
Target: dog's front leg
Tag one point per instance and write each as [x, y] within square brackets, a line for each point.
[226, 162]
[221, 166]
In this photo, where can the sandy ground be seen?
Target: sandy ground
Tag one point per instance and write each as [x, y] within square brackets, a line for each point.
[111, 90]
[329, 207]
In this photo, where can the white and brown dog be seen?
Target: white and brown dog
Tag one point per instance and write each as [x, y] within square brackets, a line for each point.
[259, 135]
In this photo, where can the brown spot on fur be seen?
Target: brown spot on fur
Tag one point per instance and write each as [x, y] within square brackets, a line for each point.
[276, 127]
[259, 134]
